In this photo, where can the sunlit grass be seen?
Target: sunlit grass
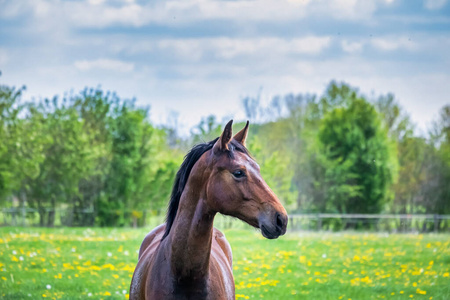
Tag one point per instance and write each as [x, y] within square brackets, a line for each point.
[84, 263]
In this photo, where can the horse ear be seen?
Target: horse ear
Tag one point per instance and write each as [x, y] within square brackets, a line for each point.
[242, 135]
[225, 138]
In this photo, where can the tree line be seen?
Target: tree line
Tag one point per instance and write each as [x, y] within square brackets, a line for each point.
[340, 152]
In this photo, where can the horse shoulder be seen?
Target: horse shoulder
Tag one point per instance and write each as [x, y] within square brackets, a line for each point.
[152, 239]
[221, 268]
[147, 254]
[222, 242]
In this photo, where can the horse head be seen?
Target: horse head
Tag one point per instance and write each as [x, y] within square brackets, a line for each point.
[236, 188]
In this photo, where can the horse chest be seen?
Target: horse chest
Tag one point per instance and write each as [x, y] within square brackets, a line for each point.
[217, 285]
[207, 290]
[189, 290]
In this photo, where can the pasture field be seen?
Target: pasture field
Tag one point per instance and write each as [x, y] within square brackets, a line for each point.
[82, 263]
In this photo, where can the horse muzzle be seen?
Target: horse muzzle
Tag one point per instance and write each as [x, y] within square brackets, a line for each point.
[273, 225]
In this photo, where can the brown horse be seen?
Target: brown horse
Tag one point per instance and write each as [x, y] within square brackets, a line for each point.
[187, 258]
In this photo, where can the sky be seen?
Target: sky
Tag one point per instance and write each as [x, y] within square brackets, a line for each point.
[193, 58]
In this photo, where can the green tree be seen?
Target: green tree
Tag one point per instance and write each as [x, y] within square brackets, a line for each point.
[21, 147]
[10, 133]
[359, 160]
[274, 169]
[94, 107]
[436, 188]
[66, 157]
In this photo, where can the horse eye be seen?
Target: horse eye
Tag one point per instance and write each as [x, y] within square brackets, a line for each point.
[238, 174]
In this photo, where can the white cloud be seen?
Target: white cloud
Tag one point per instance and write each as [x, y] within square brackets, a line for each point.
[350, 10]
[228, 48]
[239, 11]
[104, 64]
[191, 49]
[310, 45]
[41, 8]
[393, 43]
[351, 47]
[96, 2]
[434, 4]
[101, 13]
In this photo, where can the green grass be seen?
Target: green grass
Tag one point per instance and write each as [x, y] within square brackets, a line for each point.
[78, 263]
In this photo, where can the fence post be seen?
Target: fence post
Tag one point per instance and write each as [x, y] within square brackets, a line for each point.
[23, 215]
[436, 223]
[319, 222]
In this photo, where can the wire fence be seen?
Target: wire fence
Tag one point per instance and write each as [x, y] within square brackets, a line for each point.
[28, 217]
[371, 222]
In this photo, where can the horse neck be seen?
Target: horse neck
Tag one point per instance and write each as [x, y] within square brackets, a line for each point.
[191, 233]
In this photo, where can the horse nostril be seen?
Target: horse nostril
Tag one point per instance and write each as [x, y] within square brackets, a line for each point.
[279, 221]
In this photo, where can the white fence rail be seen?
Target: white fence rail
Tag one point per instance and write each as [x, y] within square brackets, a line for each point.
[375, 222]
[297, 222]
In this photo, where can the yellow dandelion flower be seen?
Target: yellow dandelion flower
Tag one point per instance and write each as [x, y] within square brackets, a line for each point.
[421, 292]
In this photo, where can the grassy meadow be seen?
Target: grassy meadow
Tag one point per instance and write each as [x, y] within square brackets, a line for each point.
[82, 263]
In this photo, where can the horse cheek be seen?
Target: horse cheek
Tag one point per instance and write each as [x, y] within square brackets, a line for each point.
[218, 194]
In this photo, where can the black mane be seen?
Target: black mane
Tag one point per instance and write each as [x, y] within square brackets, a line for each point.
[181, 179]
[183, 174]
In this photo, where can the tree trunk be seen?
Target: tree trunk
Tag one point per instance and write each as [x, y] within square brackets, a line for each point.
[41, 211]
[51, 218]
[51, 214]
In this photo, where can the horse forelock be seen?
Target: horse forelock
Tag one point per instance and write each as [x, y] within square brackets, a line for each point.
[183, 174]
